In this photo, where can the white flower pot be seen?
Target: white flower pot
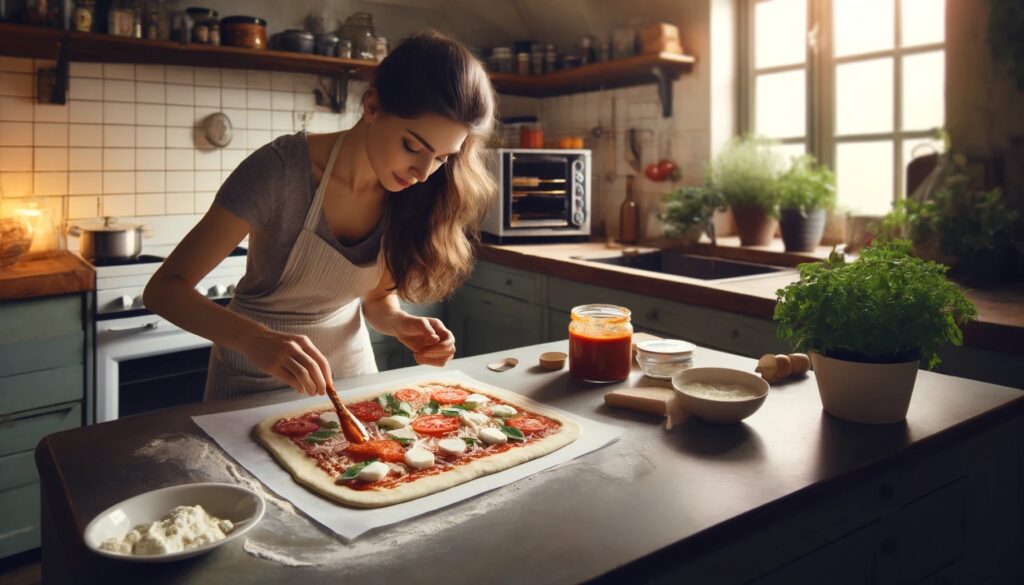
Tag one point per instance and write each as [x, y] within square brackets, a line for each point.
[865, 392]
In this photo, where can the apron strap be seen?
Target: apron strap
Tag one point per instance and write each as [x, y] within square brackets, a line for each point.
[313, 215]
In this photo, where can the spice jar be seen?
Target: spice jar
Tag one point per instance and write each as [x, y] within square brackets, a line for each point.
[345, 49]
[600, 343]
[523, 60]
[661, 358]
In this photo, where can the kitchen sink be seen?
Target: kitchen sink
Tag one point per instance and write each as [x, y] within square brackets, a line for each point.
[689, 265]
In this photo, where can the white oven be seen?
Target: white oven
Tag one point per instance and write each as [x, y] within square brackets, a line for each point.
[143, 362]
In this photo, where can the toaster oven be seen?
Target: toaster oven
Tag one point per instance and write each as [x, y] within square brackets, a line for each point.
[544, 194]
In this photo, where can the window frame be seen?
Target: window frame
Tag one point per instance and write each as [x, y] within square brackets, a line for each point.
[820, 66]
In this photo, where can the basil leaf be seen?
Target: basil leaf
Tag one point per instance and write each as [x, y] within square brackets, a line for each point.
[432, 407]
[330, 425]
[403, 440]
[320, 436]
[390, 403]
[405, 409]
[513, 433]
[452, 412]
[470, 441]
[352, 471]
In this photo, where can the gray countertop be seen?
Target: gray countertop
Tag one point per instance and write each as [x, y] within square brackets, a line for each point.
[652, 490]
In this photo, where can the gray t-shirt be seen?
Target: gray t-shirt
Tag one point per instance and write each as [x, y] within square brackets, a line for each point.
[272, 190]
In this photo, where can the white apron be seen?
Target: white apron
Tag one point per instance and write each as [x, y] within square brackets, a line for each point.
[318, 296]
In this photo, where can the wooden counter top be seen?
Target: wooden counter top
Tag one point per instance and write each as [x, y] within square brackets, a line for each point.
[999, 327]
[59, 275]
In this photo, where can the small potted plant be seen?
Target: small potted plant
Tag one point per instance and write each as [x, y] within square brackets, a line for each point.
[807, 192]
[867, 325]
[745, 172]
[688, 212]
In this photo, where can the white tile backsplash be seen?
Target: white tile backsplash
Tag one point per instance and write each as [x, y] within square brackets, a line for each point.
[181, 116]
[85, 135]
[118, 182]
[150, 181]
[83, 88]
[116, 90]
[118, 159]
[179, 159]
[14, 109]
[17, 184]
[147, 204]
[118, 136]
[150, 115]
[16, 84]
[182, 75]
[149, 73]
[50, 134]
[150, 159]
[180, 181]
[119, 205]
[51, 113]
[83, 207]
[85, 112]
[181, 95]
[87, 183]
[51, 183]
[51, 159]
[208, 96]
[118, 113]
[207, 180]
[207, 76]
[119, 71]
[150, 136]
[148, 92]
[15, 65]
[85, 159]
[15, 158]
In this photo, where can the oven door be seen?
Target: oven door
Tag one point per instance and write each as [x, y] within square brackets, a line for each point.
[145, 363]
[539, 191]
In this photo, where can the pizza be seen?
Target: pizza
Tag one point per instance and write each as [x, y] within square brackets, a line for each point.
[424, 438]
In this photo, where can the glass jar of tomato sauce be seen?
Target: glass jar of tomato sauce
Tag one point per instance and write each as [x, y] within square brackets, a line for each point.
[600, 343]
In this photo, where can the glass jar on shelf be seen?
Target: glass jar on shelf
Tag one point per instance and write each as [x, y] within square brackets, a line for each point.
[358, 29]
[380, 49]
[83, 16]
[120, 19]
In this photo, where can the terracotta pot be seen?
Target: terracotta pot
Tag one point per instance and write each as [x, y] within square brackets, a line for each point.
[755, 226]
[865, 392]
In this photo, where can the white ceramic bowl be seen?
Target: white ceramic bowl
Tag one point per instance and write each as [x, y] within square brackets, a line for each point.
[728, 406]
[225, 501]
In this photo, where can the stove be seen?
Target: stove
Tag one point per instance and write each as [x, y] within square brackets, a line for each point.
[144, 362]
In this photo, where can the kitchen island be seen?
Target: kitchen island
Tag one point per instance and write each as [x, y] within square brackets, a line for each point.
[790, 495]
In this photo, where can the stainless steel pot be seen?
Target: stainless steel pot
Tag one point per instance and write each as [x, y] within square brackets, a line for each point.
[109, 240]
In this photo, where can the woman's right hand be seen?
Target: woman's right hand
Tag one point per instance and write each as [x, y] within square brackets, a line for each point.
[292, 359]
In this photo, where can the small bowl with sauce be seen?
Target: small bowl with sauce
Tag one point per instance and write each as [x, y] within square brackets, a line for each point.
[719, 395]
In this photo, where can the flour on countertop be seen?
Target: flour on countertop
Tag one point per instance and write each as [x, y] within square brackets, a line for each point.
[289, 538]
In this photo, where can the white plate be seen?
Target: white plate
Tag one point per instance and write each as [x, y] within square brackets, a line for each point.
[221, 500]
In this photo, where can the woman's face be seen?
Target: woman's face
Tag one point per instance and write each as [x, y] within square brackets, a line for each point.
[406, 151]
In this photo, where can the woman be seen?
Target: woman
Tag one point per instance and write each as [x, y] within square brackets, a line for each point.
[342, 222]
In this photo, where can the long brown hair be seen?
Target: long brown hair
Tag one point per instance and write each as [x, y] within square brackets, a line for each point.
[432, 227]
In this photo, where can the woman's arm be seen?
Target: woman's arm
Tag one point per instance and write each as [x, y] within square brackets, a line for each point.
[430, 341]
[171, 294]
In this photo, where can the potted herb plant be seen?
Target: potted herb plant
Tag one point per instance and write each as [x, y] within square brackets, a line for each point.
[745, 172]
[867, 325]
[688, 212]
[807, 192]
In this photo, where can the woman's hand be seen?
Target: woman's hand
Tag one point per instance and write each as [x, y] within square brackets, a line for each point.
[292, 359]
[430, 341]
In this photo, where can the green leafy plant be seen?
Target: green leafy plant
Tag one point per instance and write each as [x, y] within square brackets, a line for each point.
[746, 171]
[690, 206]
[807, 185]
[969, 228]
[886, 307]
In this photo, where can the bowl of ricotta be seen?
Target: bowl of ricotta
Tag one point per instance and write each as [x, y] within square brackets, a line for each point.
[719, 395]
[174, 522]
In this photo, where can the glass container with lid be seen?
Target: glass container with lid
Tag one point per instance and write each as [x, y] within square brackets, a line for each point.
[600, 343]
[661, 358]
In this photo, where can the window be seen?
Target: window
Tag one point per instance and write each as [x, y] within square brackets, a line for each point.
[857, 83]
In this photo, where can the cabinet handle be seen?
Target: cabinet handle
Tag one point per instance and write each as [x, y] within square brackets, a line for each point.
[508, 282]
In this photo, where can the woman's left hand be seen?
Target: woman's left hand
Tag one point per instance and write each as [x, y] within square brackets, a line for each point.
[430, 341]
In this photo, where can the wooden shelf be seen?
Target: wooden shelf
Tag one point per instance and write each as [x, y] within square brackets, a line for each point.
[45, 43]
[618, 73]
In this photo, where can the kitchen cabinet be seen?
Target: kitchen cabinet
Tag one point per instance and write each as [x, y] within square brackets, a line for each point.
[498, 308]
[42, 391]
[388, 351]
[509, 307]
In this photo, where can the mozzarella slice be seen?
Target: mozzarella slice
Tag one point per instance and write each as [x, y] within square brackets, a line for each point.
[452, 446]
[503, 410]
[419, 458]
[375, 471]
[393, 422]
[493, 436]
[475, 401]
[404, 433]
[328, 417]
[473, 419]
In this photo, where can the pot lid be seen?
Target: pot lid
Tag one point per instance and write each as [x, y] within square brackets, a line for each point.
[666, 346]
[109, 224]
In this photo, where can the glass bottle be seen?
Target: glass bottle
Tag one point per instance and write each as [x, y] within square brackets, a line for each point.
[600, 343]
[628, 215]
[83, 16]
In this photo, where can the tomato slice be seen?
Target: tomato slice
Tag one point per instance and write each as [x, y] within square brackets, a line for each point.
[435, 425]
[413, 397]
[367, 411]
[449, 396]
[384, 450]
[295, 427]
[528, 424]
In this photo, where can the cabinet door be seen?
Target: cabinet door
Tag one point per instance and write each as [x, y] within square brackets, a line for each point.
[851, 560]
[485, 322]
[389, 354]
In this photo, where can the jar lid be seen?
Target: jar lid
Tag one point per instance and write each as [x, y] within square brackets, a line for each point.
[201, 12]
[296, 33]
[243, 20]
[666, 346]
